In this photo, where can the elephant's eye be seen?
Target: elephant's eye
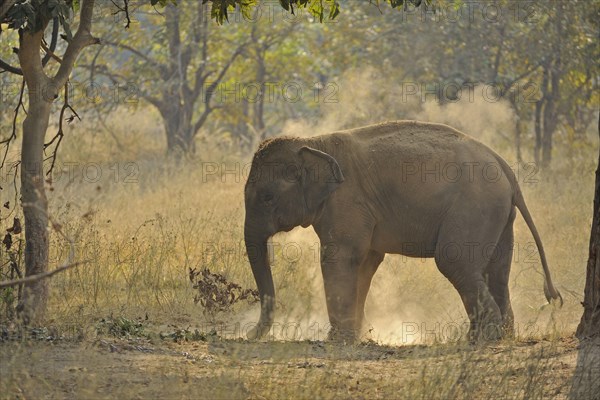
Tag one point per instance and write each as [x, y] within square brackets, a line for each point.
[268, 198]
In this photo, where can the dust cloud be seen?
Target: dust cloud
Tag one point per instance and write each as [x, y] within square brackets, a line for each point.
[365, 97]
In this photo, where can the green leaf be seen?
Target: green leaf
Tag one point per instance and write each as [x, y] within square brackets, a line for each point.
[334, 10]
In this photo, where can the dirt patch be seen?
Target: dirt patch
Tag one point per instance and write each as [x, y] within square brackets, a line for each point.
[220, 369]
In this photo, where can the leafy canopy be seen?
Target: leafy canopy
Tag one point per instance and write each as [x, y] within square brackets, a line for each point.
[33, 15]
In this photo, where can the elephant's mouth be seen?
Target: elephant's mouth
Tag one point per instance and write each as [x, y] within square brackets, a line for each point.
[283, 226]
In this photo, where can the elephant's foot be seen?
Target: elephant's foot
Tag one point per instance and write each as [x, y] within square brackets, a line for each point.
[508, 330]
[366, 331]
[508, 325]
[486, 332]
[258, 331]
[341, 335]
[484, 313]
[358, 331]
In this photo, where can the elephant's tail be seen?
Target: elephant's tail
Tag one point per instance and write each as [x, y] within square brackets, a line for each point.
[549, 290]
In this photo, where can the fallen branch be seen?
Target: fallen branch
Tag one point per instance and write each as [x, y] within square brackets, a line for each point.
[38, 277]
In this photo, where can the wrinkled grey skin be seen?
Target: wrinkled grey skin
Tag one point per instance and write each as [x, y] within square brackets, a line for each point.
[406, 187]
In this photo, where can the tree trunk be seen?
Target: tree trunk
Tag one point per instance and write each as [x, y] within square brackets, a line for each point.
[537, 124]
[540, 109]
[518, 140]
[550, 113]
[549, 126]
[42, 91]
[518, 127]
[242, 131]
[32, 306]
[586, 379]
[259, 107]
[547, 145]
[5, 6]
[518, 133]
[178, 127]
[590, 321]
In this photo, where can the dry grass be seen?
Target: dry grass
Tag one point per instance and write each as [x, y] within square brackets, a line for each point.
[146, 220]
[111, 368]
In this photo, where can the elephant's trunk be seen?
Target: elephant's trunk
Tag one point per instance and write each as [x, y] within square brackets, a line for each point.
[256, 247]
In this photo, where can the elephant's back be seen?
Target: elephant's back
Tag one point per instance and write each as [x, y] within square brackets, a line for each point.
[409, 144]
[406, 127]
[428, 155]
[412, 140]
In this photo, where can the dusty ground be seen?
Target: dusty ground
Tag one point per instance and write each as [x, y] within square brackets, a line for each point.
[140, 238]
[145, 369]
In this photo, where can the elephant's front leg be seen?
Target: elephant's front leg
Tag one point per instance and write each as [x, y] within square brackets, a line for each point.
[365, 276]
[340, 267]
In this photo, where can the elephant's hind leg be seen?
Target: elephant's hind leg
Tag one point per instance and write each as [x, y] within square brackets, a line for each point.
[365, 275]
[460, 259]
[497, 273]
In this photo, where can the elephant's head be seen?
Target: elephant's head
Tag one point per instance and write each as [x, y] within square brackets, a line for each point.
[289, 181]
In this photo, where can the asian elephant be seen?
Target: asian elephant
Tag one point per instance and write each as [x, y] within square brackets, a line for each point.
[406, 187]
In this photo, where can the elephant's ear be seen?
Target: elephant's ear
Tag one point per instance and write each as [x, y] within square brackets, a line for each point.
[321, 175]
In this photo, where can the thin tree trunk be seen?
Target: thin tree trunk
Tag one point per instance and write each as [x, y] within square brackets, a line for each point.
[518, 127]
[261, 72]
[550, 113]
[178, 128]
[590, 320]
[586, 379]
[538, 131]
[42, 92]
[33, 195]
[5, 6]
[242, 131]
[547, 145]
[540, 109]
[35, 209]
[518, 139]
[549, 126]
[552, 75]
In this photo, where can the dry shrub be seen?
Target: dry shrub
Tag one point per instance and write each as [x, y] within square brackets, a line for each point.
[216, 293]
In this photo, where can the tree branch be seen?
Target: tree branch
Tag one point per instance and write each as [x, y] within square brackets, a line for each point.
[103, 70]
[38, 277]
[198, 32]
[82, 38]
[13, 136]
[50, 54]
[210, 90]
[53, 42]
[9, 68]
[31, 60]
[114, 78]
[152, 100]
[525, 74]
[4, 7]
[145, 57]
[60, 134]
[207, 110]
[123, 9]
[49, 51]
